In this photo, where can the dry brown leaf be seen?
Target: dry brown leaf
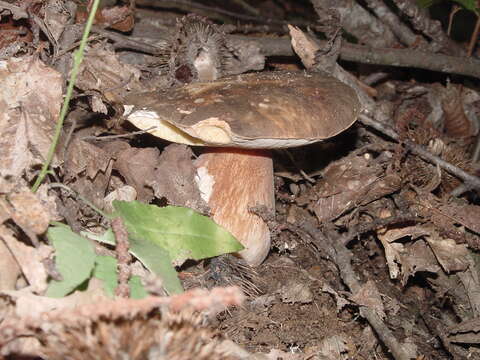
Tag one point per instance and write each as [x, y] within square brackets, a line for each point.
[87, 170]
[339, 300]
[175, 178]
[9, 269]
[296, 293]
[30, 96]
[349, 182]
[137, 166]
[56, 16]
[452, 256]
[124, 193]
[29, 259]
[304, 46]
[397, 253]
[369, 296]
[467, 332]
[28, 212]
[101, 71]
[466, 215]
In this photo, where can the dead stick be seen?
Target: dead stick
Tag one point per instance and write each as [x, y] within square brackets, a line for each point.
[379, 56]
[123, 257]
[469, 180]
[342, 258]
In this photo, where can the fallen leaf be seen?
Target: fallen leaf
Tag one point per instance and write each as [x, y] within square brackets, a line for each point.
[29, 258]
[30, 98]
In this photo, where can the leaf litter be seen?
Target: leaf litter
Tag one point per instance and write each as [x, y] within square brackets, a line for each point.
[411, 246]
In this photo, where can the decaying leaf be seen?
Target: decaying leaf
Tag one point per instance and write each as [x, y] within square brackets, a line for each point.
[295, 292]
[30, 96]
[102, 72]
[349, 182]
[167, 327]
[466, 215]
[175, 178]
[137, 166]
[369, 296]
[29, 258]
[394, 251]
[467, 332]
[9, 268]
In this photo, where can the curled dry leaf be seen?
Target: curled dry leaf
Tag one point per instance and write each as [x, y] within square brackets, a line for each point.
[411, 257]
[30, 98]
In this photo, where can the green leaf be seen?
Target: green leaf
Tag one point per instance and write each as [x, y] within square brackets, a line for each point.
[184, 233]
[154, 257]
[137, 291]
[161, 236]
[106, 270]
[74, 259]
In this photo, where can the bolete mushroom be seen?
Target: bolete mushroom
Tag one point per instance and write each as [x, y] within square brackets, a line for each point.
[239, 118]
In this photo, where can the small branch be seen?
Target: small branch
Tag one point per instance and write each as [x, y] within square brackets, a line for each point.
[399, 29]
[123, 257]
[474, 37]
[376, 224]
[342, 258]
[379, 56]
[429, 27]
[470, 180]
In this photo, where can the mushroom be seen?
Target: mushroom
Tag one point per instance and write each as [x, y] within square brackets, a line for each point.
[239, 118]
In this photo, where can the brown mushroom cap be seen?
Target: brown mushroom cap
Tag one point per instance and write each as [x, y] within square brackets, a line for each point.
[257, 110]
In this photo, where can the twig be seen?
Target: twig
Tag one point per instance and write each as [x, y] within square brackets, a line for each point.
[376, 224]
[342, 258]
[379, 56]
[469, 180]
[431, 28]
[474, 37]
[111, 137]
[123, 257]
[399, 29]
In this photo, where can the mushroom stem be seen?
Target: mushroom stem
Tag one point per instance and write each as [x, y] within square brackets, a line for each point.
[231, 181]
